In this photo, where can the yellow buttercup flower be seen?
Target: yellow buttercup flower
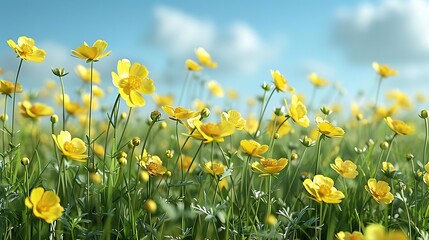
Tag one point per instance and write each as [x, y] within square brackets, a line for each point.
[232, 94]
[234, 117]
[387, 167]
[94, 53]
[215, 89]
[212, 132]
[132, 81]
[350, 236]
[179, 113]
[298, 112]
[74, 108]
[152, 164]
[251, 124]
[191, 65]
[26, 49]
[269, 166]
[8, 88]
[383, 112]
[326, 128]
[97, 91]
[86, 99]
[34, 110]
[205, 58]
[426, 176]
[383, 70]
[45, 204]
[346, 169]
[280, 82]
[401, 99]
[85, 74]
[399, 127]
[185, 163]
[71, 148]
[163, 100]
[253, 148]
[377, 231]
[214, 168]
[274, 125]
[380, 191]
[317, 80]
[322, 189]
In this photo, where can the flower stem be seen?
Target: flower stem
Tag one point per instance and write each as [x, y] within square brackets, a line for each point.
[263, 108]
[13, 104]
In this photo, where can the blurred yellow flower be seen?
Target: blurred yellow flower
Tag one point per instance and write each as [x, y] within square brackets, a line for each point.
[426, 176]
[383, 112]
[350, 236]
[152, 164]
[214, 168]
[280, 82]
[86, 99]
[26, 49]
[205, 58]
[97, 91]
[383, 70]
[34, 110]
[380, 191]
[71, 148]
[132, 81]
[269, 166]
[45, 204]
[8, 88]
[191, 65]
[179, 113]
[215, 89]
[98, 149]
[326, 128]
[85, 74]
[74, 108]
[399, 127]
[401, 99]
[163, 100]
[251, 124]
[212, 132]
[94, 53]
[377, 231]
[346, 169]
[232, 94]
[185, 163]
[234, 117]
[317, 80]
[253, 148]
[298, 112]
[322, 189]
[274, 125]
[387, 167]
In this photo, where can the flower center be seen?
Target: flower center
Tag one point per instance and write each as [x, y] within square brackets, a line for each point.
[27, 49]
[269, 163]
[152, 166]
[324, 190]
[134, 82]
[69, 147]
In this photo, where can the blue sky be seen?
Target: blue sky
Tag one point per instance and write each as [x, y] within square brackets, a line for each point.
[336, 39]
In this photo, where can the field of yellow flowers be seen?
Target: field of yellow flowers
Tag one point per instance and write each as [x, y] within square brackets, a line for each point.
[190, 170]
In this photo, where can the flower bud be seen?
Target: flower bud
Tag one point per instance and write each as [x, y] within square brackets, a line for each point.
[4, 117]
[54, 118]
[293, 156]
[136, 141]
[359, 117]
[270, 220]
[124, 115]
[155, 116]
[279, 111]
[59, 72]
[95, 177]
[163, 125]
[384, 145]
[266, 86]
[143, 176]
[169, 153]
[150, 206]
[25, 161]
[326, 110]
[424, 114]
[369, 143]
[410, 156]
[276, 136]
[122, 162]
[205, 113]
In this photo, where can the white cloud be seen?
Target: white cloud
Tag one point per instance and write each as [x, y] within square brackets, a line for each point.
[390, 31]
[236, 48]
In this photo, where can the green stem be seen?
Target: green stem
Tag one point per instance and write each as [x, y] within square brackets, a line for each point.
[13, 104]
[263, 109]
[64, 103]
[319, 143]
[183, 88]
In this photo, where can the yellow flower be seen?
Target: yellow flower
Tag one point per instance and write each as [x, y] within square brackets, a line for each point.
[269, 166]
[251, 124]
[163, 100]
[152, 164]
[212, 132]
[317, 80]
[45, 204]
[94, 53]
[326, 128]
[377, 231]
[387, 167]
[26, 49]
[298, 112]
[185, 163]
[205, 58]
[71, 148]
[85, 74]
[382, 112]
[232, 94]
[214, 168]
[179, 113]
[74, 108]
[399, 127]
[401, 99]
[97, 91]
[8, 88]
[215, 88]
[253, 148]
[283, 130]
[350, 236]
[426, 176]
[383, 70]
[132, 81]
[34, 110]
[380, 191]
[191, 65]
[98, 149]
[234, 117]
[280, 82]
[347, 168]
[322, 189]
[86, 99]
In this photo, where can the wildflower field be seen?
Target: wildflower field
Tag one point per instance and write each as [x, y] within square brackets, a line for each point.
[189, 169]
